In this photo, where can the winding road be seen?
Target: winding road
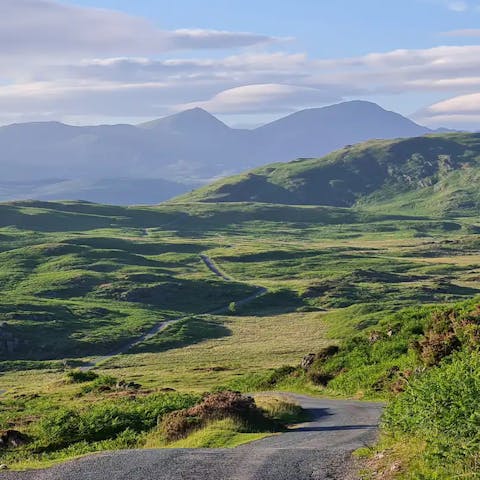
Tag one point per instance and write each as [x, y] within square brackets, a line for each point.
[159, 327]
[318, 450]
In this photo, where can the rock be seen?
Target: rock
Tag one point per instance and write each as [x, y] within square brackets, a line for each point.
[123, 385]
[12, 439]
[374, 336]
[307, 361]
[396, 467]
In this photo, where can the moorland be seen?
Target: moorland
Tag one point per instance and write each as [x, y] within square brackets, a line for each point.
[369, 257]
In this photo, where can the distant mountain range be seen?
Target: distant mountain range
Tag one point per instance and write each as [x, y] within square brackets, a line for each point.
[154, 161]
[435, 174]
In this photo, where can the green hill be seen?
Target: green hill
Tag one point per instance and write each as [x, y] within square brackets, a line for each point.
[434, 174]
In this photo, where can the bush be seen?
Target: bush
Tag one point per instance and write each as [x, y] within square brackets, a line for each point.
[79, 376]
[442, 406]
[107, 420]
[102, 383]
[215, 406]
[59, 428]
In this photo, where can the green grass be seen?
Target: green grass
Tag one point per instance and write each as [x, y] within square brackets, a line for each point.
[78, 280]
[225, 433]
[435, 174]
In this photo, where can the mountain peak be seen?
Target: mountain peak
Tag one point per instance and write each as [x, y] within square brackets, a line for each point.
[195, 119]
[365, 118]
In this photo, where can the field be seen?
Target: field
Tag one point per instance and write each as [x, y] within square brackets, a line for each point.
[75, 294]
[81, 280]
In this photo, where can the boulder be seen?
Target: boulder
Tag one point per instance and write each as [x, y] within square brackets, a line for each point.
[12, 439]
[307, 361]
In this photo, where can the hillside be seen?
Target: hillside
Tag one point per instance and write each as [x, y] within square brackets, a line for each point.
[84, 284]
[435, 173]
[50, 160]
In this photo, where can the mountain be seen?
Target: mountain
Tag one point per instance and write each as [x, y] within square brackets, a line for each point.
[189, 147]
[318, 131]
[438, 173]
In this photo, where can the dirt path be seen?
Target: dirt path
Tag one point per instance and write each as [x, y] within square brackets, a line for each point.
[165, 324]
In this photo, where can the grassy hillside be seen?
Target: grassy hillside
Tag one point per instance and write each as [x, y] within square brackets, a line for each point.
[79, 280]
[435, 174]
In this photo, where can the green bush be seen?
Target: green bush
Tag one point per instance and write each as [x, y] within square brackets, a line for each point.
[100, 384]
[442, 406]
[59, 428]
[107, 420]
[79, 376]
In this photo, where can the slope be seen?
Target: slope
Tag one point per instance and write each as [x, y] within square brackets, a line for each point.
[436, 174]
[189, 147]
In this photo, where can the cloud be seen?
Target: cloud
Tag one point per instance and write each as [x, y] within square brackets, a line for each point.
[458, 6]
[64, 62]
[236, 68]
[265, 98]
[39, 29]
[462, 111]
[461, 105]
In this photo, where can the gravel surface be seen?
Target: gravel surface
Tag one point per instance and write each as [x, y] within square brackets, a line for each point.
[317, 450]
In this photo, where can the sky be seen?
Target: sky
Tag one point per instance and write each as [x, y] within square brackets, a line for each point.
[247, 62]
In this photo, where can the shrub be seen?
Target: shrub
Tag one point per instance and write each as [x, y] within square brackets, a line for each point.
[214, 406]
[442, 406]
[102, 383]
[59, 428]
[79, 376]
[107, 420]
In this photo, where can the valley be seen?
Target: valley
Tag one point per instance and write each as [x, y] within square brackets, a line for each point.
[195, 296]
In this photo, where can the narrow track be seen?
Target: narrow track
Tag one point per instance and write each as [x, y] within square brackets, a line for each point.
[161, 326]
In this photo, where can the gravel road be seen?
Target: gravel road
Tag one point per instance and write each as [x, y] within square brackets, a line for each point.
[317, 450]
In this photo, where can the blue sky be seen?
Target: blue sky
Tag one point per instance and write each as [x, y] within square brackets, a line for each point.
[245, 61]
[323, 28]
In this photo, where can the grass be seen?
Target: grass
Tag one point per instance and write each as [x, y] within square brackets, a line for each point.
[252, 345]
[231, 432]
[78, 280]
[226, 433]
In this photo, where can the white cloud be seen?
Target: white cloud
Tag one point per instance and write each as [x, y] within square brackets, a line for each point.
[461, 105]
[40, 29]
[458, 6]
[462, 111]
[265, 98]
[62, 61]
[466, 32]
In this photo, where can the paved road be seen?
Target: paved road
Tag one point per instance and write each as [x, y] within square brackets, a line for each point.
[317, 450]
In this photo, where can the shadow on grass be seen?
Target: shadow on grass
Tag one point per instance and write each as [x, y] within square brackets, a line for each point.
[181, 334]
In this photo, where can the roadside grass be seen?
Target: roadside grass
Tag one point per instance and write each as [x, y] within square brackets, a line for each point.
[226, 433]
[281, 408]
[232, 431]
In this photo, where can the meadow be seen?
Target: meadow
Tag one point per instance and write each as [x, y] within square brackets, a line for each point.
[80, 280]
